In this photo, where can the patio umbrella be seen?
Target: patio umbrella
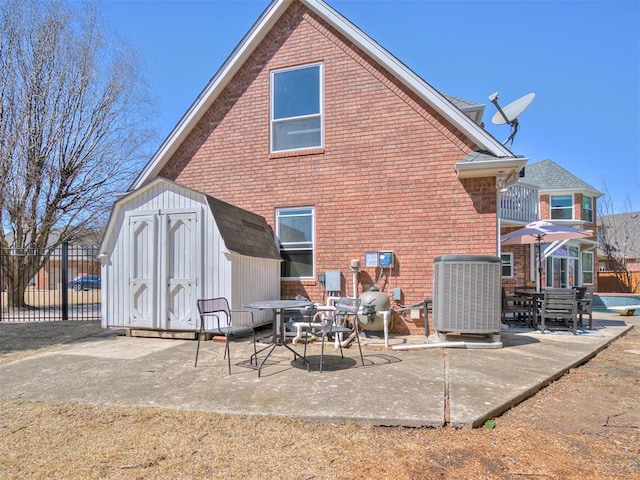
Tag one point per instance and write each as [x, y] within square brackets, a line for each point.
[537, 231]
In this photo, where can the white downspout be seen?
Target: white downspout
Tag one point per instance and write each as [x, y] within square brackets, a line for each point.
[498, 225]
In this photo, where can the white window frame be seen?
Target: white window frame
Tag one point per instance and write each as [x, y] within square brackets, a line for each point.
[551, 208]
[590, 210]
[588, 267]
[312, 247]
[273, 121]
[508, 263]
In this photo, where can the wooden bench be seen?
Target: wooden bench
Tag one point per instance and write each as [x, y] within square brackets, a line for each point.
[625, 310]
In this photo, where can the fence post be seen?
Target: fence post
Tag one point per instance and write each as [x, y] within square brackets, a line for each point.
[64, 281]
[1, 282]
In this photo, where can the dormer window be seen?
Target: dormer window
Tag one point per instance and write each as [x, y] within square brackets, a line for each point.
[296, 108]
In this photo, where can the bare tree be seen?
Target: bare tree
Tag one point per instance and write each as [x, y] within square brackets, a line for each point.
[619, 241]
[73, 110]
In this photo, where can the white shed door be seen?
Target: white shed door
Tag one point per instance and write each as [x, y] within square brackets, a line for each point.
[163, 264]
[180, 266]
[142, 270]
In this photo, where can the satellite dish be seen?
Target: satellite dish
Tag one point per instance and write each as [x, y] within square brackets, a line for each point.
[510, 113]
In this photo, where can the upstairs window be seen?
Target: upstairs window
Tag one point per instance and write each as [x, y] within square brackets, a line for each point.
[296, 108]
[587, 209]
[562, 207]
[295, 232]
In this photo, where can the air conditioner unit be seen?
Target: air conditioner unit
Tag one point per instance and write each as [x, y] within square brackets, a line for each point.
[467, 294]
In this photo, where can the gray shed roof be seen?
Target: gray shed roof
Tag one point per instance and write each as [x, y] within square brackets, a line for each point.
[244, 232]
[549, 176]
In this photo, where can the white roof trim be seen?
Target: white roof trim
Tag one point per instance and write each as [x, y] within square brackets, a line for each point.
[507, 167]
[252, 39]
[591, 192]
[409, 78]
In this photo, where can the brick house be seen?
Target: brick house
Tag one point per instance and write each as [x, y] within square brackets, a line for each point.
[343, 150]
[80, 259]
[565, 199]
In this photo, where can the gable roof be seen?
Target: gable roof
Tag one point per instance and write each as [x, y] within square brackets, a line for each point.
[243, 232]
[548, 176]
[257, 33]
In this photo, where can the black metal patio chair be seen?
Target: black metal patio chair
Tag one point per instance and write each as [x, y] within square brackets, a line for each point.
[216, 314]
[343, 321]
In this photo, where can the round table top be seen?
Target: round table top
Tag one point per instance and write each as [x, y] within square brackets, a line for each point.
[277, 304]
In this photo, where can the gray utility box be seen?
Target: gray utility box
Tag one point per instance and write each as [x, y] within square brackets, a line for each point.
[467, 294]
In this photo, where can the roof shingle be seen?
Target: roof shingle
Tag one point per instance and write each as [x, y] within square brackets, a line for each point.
[549, 176]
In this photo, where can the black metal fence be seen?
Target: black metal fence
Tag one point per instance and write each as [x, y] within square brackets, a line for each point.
[66, 287]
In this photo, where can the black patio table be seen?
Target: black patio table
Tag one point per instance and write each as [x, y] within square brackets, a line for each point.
[278, 307]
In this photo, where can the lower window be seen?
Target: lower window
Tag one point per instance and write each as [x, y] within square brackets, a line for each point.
[295, 235]
[507, 265]
[587, 268]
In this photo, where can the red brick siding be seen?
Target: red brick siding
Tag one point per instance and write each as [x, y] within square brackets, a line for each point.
[521, 268]
[545, 206]
[384, 180]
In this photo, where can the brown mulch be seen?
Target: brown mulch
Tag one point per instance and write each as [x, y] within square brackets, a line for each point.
[585, 425]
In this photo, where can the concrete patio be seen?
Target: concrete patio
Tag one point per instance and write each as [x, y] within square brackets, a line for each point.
[416, 387]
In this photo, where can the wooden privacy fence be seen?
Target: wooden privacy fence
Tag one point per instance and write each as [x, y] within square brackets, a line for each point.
[607, 283]
[67, 287]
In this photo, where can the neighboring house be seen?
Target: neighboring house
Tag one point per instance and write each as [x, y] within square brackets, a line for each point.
[343, 150]
[619, 250]
[79, 258]
[563, 199]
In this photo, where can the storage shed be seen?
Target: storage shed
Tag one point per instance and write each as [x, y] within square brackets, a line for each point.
[166, 245]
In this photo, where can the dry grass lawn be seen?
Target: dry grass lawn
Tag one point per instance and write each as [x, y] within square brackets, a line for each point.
[585, 425]
[51, 298]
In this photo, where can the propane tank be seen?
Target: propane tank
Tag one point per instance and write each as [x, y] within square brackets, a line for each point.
[380, 303]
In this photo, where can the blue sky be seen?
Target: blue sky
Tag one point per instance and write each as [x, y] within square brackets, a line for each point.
[580, 58]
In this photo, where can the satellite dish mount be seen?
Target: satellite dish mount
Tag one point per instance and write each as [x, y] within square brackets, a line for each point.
[510, 113]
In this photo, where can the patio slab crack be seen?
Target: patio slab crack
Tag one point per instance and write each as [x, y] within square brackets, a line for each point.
[446, 390]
